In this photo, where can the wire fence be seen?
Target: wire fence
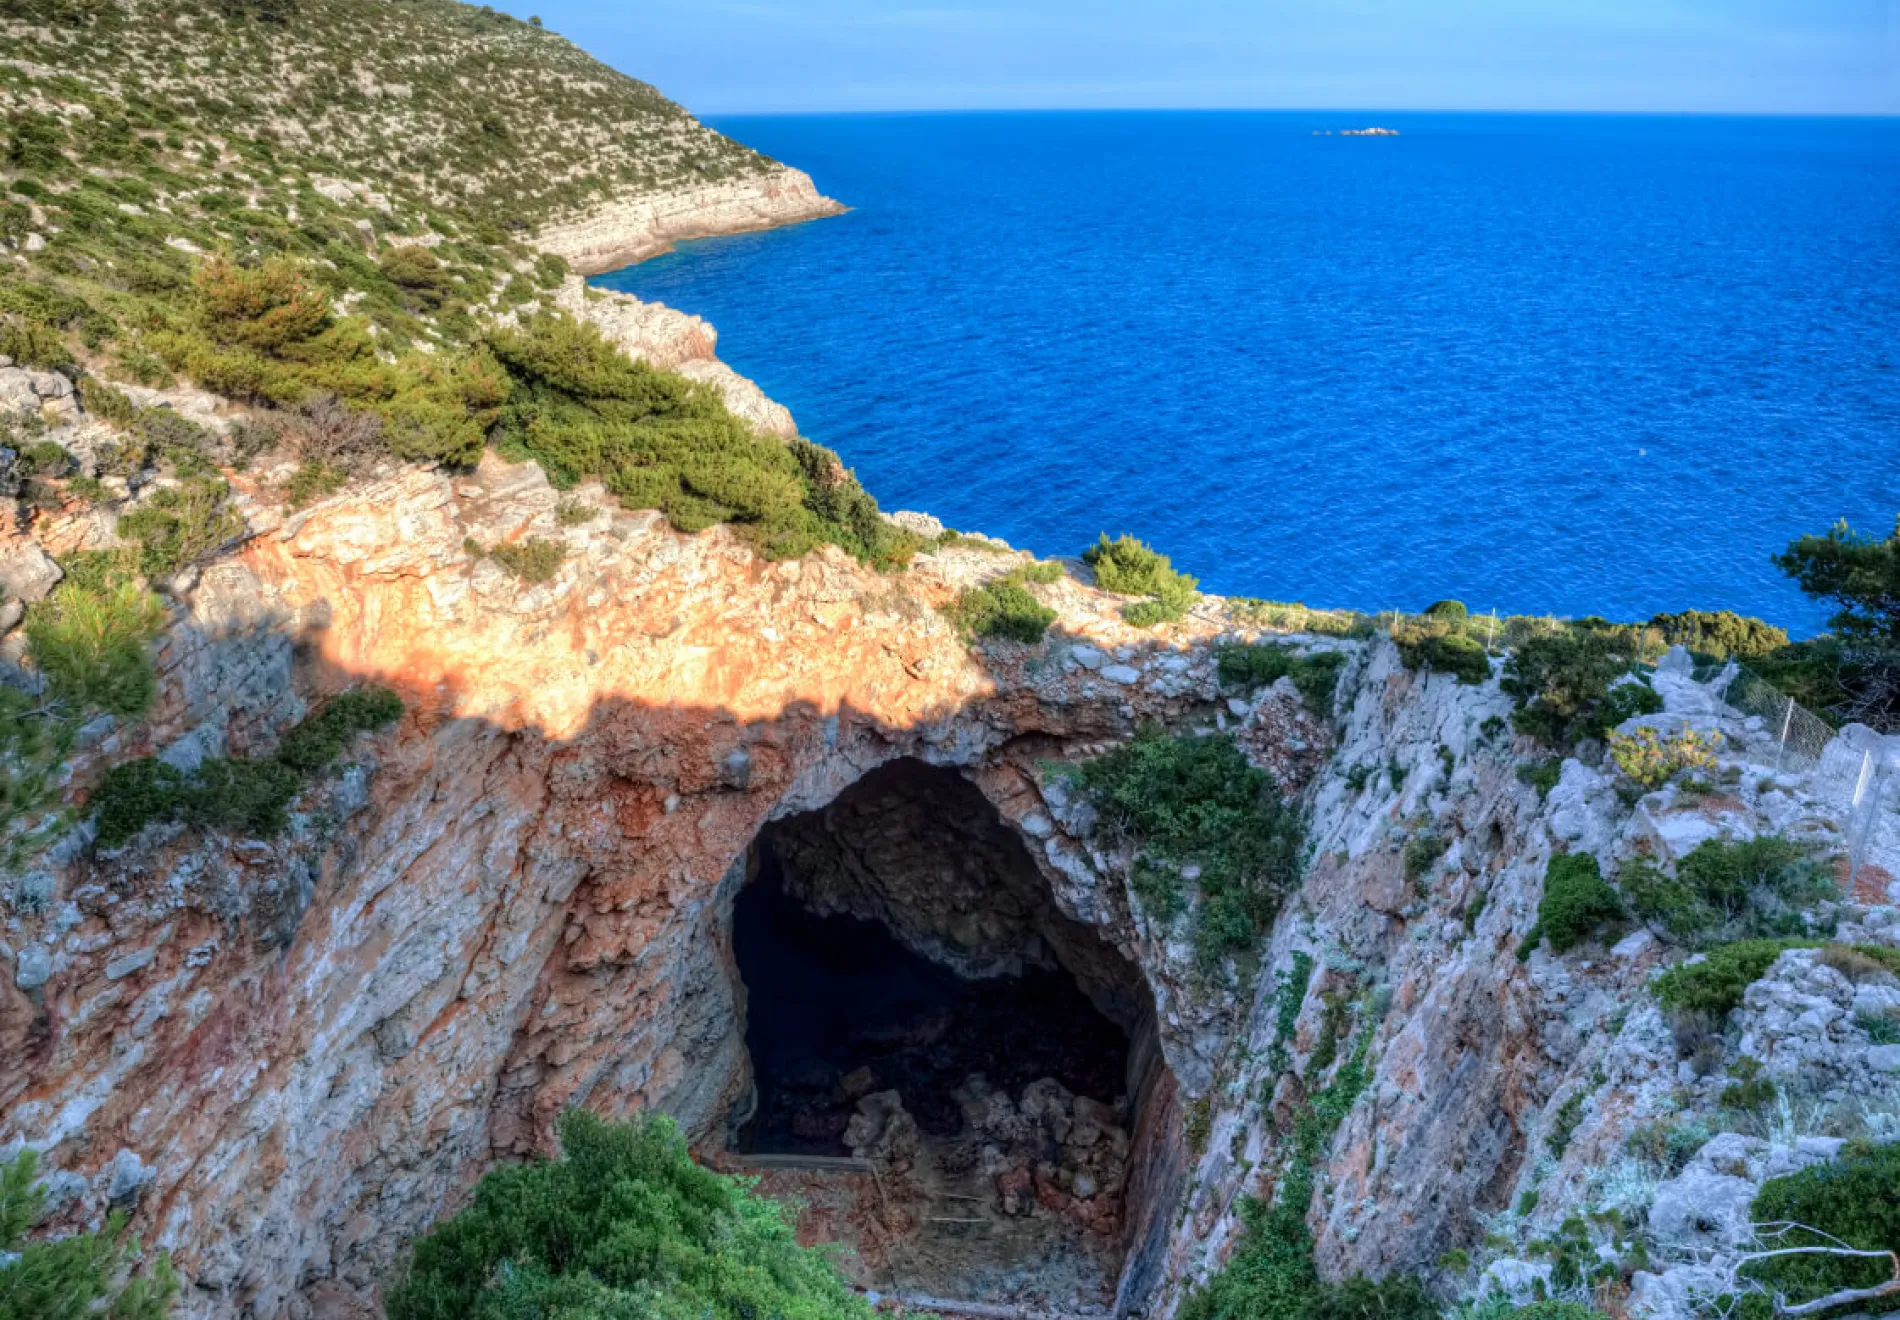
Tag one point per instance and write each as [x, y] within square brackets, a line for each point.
[1798, 735]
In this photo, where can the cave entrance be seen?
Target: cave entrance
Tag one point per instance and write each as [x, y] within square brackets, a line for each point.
[948, 1071]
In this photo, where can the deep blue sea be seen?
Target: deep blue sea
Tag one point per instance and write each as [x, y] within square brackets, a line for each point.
[1542, 363]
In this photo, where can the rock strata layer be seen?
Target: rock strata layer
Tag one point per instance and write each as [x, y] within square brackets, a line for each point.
[621, 232]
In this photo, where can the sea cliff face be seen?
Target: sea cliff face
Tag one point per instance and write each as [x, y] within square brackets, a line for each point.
[630, 229]
[287, 1058]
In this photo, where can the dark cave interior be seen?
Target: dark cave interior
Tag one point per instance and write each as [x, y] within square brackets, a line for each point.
[837, 1007]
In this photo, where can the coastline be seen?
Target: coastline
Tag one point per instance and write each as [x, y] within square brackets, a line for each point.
[624, 232]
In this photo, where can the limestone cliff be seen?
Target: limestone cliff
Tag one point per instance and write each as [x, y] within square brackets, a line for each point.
[625, 230]
[289, 1057]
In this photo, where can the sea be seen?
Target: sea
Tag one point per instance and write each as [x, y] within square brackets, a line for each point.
[1543, 364]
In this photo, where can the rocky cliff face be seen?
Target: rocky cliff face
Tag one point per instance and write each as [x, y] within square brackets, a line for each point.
[288, 1058]
[623, 231]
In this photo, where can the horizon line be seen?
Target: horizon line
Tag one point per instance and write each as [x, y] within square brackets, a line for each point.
[1298, 110]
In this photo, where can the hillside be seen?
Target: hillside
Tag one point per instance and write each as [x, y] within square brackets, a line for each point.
[439, 103]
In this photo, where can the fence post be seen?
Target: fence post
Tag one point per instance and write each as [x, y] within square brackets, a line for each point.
[1787, 718]
[1858, 831]
[1491, 630]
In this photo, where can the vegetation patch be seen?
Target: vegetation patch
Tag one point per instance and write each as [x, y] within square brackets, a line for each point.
[1853, 1200]
[249, 797]
[1442, 653]
[1720, 633]
[1651, 758]
[534, 561]
[91, 638]
[658, 441]
[1715, 985]
[623, 1223]
[1003, 607]
[1192, 807]
[1130, 567]
[106, 1273]
[1577, 903]
[1727, 890]
[1563, 679]
[1248, 666]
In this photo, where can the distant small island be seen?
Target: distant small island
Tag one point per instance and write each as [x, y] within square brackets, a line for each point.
[1356, 132]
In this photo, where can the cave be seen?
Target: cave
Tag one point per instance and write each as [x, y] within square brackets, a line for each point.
[950, 1075]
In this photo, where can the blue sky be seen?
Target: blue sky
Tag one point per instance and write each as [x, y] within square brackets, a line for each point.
[1736, 56]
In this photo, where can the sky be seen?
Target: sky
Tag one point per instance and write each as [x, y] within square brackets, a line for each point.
[1723, 56]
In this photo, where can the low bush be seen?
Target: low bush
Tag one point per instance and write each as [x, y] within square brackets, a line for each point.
[1541, 775]
[1651, 758]
[1720, 633]
[78, 1276]
[1447, 609]
[534, 560]
[319, 739]
[1245, 666]
[1577, 902]
[1130, 567]
[1194, 801]
[1853, 1200]
[1562, 679]
[1443, 653]
[178, 525]
[581, 409]
[573, 513]
[623, 1223]
[1727, 890]
[1003, 609]
[92, 637]
[1716, 984]
[1422, 852]
[239, 795]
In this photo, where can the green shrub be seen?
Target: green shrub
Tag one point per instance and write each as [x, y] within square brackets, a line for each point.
[1129, 567]
[1716, 984]
[622, 1224]
[419, 273]
[1856, 1200]
[1541, 775]
[1720, 633]
[178, 525]
[247, 797]
[1577, 902]
[1727, 890]
[1562, 679]
[319, 739]
[76, 1277]
[1195, 801]
[313, 480]
[1249, 666]
[1422, 852]
[581, 409]
[1564, 1125]
[1444, 653]
[1549, 1310]
[1447, 609]
[1003, 609]
[1626, 701]
[1651, 758]
[92, 637]
[573, 513]
[534, 560]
